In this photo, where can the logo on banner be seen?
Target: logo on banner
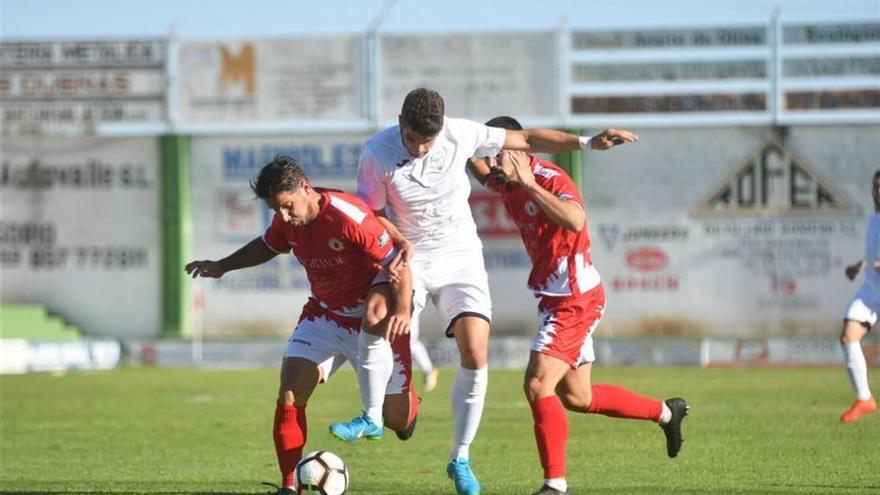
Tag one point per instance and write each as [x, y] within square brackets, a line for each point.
[647, 259]
[773, 180]
[609, 232]
[238, 68]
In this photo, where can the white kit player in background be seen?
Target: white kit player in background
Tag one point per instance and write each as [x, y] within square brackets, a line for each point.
[415, 174]
[421, 358]
[861, 314]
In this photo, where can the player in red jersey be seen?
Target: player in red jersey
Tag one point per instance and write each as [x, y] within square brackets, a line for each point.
[343, 248]
[548, 209]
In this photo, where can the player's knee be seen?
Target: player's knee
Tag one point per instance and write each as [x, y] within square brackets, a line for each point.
[286, 397]
[473, 358]
[290, 396]
[576, 403]
[536, 387]
[377, 310]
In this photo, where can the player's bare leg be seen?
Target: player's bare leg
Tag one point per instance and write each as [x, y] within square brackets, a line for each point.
[542, 375]
[468, 397]
[299, 377]
[579, 395]
[857, 370]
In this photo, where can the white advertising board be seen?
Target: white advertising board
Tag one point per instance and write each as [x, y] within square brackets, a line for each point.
[270, 79]
[79, 231]
[730, 231]
[71, 87]
[479, 76]
[263, 300]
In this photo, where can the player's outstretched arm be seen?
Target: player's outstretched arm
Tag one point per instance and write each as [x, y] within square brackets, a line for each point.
[852, 271]
[253, 253]
[553, 141]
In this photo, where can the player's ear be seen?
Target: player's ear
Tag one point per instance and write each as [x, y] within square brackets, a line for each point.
[307, 186]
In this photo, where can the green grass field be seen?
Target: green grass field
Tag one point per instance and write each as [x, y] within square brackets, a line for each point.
[208, 432]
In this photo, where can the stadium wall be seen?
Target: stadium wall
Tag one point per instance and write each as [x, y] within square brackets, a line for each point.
[80, 231]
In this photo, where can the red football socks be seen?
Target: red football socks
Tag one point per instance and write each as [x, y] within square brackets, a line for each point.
[619, 402]
[289, 432]
[551, 435]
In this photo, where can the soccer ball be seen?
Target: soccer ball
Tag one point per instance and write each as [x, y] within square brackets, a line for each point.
[321, 473]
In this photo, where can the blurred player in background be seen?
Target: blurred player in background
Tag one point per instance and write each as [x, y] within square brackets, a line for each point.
[861, 314]
[343, 248]
[415, 173]
[547, 207]
[421, 357]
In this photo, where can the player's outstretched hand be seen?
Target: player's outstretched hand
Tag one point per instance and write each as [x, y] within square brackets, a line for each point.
[398, 325]
[610, 138]
[205, 268]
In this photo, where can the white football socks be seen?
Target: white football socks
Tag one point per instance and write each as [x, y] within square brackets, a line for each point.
[468, 397]
[665, 414]
[374, 371]
[557, 483]
[857, 369]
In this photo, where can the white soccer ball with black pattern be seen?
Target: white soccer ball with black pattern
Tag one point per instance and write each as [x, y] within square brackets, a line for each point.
[321, 473]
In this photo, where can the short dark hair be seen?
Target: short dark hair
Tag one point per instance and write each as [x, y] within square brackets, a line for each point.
[423, 111]
[505, 122]
[282, 174]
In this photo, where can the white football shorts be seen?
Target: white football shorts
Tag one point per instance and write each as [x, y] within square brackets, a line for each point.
[329, 345]
[864, 306]
[456, 283]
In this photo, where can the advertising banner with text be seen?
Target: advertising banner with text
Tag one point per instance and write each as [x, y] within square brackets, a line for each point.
[479, 76]
[79, 231]
[735, 231]
[267, 299]
[71, 86]
[262, 80]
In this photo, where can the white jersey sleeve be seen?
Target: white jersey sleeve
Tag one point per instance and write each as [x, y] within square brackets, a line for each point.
[371, 181]
[479, 139]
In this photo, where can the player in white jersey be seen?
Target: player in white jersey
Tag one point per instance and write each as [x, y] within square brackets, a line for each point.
[861, 314]
[415, 173]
